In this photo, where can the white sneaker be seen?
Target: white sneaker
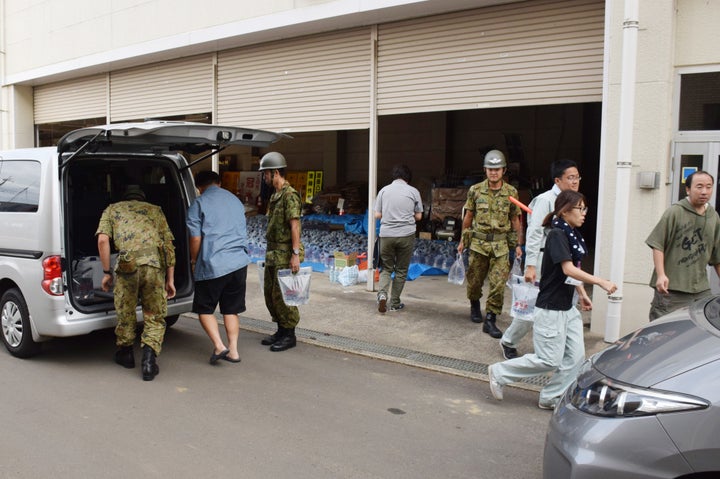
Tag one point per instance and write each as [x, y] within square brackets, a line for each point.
[545, 405]
[495, 388]
[382, 303]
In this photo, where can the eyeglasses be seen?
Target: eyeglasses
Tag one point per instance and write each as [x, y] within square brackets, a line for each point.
[583, 209]
[573, 178]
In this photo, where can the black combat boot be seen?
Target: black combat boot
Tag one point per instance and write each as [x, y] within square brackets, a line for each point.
[489, 326]
[475, 314]
[125, 357]
[149, 368]
[273, 338]
[287, 341]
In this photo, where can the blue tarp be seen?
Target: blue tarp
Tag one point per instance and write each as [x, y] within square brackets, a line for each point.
[356, 224]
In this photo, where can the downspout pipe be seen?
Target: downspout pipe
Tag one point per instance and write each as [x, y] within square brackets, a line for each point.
[623, 168]
[372, 160]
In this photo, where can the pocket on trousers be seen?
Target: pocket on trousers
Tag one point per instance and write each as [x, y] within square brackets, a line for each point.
[545, 326]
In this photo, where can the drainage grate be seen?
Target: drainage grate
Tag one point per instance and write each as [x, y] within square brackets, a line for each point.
[407, 356]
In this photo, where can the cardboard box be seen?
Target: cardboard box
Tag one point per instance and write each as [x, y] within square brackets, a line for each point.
[425, 235]
[447, 202]
[342, 260]
[231, 181]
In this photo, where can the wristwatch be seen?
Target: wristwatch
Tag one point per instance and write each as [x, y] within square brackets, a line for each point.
[296, 251]
[107, 271]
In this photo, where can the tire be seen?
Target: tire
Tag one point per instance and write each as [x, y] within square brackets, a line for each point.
[15, 321]
[170, 320]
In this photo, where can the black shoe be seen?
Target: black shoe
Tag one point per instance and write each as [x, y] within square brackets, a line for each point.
[286, 342]
[475, 314]
[273, 338]
[150, 369]
[489, 326]
[508, 352]
[125, 357]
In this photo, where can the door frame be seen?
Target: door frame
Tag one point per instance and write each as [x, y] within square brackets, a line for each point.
[708, 148]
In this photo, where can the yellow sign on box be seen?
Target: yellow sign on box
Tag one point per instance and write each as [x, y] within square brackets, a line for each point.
[310, 187]
[318, 182]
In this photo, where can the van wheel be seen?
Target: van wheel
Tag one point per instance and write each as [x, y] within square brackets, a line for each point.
[16, 333]
[170, 320]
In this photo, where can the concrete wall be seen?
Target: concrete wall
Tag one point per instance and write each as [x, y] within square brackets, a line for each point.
[697, 34]
[63, 31]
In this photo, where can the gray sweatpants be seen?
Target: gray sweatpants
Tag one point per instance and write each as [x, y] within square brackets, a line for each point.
[559, 348]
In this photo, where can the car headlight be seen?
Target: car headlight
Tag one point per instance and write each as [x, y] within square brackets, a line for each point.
[604, 397]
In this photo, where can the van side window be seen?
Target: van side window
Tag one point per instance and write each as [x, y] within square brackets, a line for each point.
[19, 185]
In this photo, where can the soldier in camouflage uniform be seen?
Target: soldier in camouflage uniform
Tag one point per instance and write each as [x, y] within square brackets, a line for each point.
[284, 249]
[144, 270]
[491, 228]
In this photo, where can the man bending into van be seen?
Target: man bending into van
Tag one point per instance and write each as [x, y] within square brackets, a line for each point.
[144, 269]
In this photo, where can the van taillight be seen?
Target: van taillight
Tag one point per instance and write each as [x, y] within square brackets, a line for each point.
[52, 276]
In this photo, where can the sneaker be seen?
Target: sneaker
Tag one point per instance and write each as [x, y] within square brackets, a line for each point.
[382, 303]
[495, 388]
[398, 307]
[546, 405]
[508, 352]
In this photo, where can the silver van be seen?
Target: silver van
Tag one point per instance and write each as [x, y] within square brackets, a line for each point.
[51, 200]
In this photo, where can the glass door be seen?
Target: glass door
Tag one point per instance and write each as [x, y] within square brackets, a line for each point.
[689, 157]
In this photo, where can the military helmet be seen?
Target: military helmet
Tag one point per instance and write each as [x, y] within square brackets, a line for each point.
[272, 161]
[494, 159]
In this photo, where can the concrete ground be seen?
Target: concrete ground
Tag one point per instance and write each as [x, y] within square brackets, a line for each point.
[433, 330]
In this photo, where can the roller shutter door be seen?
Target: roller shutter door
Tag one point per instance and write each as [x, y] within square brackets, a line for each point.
[315, 83]
[70, 100]
[529, 53]
[177, 87]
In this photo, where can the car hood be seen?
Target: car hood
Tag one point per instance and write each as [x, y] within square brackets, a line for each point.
[661, 350]
[172, 135]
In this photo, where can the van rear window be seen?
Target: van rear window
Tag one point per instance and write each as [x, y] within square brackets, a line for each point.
[19, 185]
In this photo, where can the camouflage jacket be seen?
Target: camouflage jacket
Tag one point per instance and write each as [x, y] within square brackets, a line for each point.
[284, 205]
[140, 228]
[491, 232]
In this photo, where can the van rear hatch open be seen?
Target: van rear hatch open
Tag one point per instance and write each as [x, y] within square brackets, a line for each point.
[97, 163]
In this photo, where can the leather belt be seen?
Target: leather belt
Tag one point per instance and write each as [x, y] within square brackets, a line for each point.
[490, 236]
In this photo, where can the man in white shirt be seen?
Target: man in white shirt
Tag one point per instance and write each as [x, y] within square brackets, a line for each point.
[566, 177]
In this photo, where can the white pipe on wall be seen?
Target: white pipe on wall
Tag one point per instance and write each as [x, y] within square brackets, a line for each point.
[372, 164]
[623, 168]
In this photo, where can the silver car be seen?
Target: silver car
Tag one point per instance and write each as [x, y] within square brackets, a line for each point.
[646, 407]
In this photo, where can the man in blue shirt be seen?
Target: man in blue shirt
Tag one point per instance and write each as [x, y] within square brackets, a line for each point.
[219, 259]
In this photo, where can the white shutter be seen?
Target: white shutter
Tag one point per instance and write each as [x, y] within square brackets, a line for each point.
[76, 99]
[314, 83]
[530, 53]
[176, 87]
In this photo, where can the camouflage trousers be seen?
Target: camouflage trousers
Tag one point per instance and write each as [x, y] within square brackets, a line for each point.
[496, 270]
[147, 284]
[286, 316]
